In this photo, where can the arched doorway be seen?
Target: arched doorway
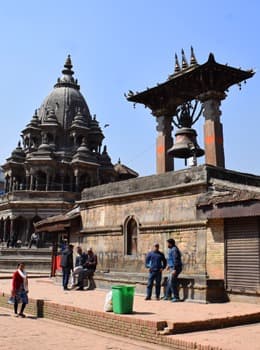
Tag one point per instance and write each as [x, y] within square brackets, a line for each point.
[131, 236]
[41, 181]
[20, 229]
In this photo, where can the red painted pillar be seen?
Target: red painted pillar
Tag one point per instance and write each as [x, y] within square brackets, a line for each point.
[213, 129]
[164, 141]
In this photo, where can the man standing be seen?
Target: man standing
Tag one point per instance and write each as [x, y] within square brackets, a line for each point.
[174, 266]
[67, 265]
[156, 263]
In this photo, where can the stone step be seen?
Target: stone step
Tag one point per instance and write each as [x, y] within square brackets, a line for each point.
[25, 251]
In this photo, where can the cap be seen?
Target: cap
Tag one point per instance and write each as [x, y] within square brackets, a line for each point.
[171, 241]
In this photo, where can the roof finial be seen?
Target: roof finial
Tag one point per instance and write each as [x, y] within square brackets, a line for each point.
[193, 60]
[184, 62]
[68, 63]
[67, 66]
[119, 161]
[177, 65]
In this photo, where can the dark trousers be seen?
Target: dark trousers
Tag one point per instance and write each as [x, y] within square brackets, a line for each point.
[65, 277]
[33, 241]
[157, 277]
[172, 284]
[83, 274]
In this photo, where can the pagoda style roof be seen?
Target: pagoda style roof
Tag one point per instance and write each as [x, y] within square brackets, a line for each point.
[188, 83]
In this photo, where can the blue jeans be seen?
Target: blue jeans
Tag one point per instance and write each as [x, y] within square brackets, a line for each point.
[65, 277]
[157, 277]
[172, 284]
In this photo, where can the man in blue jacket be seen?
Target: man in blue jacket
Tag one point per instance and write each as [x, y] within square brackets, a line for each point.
[174, 266]
[156, 263]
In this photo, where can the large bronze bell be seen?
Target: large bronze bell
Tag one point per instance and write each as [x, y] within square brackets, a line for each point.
[186, 145]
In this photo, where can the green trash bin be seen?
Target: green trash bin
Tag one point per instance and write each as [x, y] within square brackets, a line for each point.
[123, 299]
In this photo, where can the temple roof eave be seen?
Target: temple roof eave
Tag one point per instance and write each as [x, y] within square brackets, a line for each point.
[193, 81]
[80, 162]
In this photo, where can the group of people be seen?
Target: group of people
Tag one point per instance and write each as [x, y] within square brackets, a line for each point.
[13, 242]
[85, 266]
[156, 263]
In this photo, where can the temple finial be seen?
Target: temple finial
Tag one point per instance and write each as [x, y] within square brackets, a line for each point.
[211, 58]
[193, 60]
[67, 66]
[177, 65]
[68, 63]
[184, 63]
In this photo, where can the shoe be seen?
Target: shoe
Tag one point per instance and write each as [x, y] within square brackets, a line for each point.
[147, 298]
[65, 288]
[158, 298]
[80, 288]
[166, 298]
[21, 315]
[175, 300]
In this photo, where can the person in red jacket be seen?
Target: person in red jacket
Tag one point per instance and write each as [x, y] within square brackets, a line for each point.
[20, 289]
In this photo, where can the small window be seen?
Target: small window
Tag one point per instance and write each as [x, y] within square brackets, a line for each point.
[131, 237]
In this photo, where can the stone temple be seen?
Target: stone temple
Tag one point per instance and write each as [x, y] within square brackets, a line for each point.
[212, 212]
[61, 153]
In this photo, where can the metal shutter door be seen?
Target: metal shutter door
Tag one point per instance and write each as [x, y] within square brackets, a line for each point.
[242, 254]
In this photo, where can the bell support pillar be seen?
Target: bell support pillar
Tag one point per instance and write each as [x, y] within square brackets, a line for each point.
[164, 141]
[213, 129]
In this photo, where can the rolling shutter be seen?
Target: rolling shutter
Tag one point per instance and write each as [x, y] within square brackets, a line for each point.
[242, 254]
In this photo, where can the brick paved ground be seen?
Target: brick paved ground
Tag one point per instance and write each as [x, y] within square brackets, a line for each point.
[32, 334]
[148, 310]
[235, 338]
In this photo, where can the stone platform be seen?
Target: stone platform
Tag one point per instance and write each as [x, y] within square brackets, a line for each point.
[153, 321]
[35, 259]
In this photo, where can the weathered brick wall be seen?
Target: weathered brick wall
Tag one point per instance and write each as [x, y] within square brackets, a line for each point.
[215, 249]
[158, 219]
[160, 210]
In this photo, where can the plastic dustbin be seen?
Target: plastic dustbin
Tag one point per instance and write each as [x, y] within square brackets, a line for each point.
[123, 299]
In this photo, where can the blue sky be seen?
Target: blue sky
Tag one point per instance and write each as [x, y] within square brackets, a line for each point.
[119, 45]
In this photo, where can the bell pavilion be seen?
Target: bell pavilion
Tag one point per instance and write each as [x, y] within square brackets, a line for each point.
[60, 154]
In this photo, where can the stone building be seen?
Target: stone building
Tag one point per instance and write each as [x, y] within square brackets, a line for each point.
[213, 213]
[60, 154]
